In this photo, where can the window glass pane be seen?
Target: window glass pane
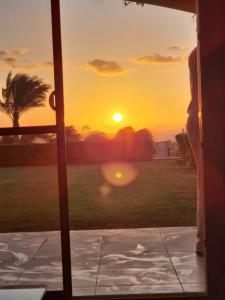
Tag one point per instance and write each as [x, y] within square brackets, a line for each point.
[132, 196]
[30, 246]
[26, 52]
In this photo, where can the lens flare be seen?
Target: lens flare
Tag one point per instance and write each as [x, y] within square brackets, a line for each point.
[120, 173]
[105, 190]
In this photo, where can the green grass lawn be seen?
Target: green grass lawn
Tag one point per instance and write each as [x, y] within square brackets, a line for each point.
[163, 194]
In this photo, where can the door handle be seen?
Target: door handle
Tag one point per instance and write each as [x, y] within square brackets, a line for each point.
[51, 101]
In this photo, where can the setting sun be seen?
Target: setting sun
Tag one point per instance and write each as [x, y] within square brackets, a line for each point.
[117, 117]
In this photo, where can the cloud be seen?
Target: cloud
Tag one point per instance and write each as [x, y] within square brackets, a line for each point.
[105, 67]
[2, 53]
[14, 51]
[9, 61]
[157, 59]
[49, 64]
[36, 66]
[177, 47]
[11, 56]
[17, 51]
[22, 66]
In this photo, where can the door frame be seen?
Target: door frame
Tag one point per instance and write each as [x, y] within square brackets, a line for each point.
[58, 70]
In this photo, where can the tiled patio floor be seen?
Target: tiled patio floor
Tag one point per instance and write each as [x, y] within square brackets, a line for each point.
[124, 261]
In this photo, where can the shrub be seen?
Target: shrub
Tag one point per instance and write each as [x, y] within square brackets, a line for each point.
[185, 149]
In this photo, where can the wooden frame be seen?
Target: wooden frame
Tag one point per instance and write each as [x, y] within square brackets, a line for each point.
[185, 5]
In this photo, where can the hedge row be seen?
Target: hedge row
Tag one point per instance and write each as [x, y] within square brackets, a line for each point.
[77, 153]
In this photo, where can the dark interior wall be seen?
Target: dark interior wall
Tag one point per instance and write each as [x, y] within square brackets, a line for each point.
[211, 37]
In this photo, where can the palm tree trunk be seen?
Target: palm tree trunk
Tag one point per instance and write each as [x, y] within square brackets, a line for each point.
[16, 124]
[16, 119]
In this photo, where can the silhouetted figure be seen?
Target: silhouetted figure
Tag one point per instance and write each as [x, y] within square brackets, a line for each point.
[194, 137]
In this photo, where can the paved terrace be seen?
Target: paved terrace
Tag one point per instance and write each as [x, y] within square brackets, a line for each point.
[126, 261]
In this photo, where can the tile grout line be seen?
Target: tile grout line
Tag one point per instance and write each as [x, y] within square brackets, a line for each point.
[99, 264]
[171, 262]
[31, 258]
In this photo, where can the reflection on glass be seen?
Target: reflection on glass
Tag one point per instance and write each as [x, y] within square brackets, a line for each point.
[120, 173]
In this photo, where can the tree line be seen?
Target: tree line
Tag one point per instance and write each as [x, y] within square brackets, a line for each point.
[23, 92]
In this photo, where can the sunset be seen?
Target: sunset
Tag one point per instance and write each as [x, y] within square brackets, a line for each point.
[115, 58]
[112, 149]
[118, 117]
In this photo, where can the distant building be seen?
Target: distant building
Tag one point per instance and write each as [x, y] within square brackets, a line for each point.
[166, 149]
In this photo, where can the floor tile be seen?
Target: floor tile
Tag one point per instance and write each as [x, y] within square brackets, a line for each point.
[132, 261]
[42, 264]
[85, 262]
[51, 248]
[8, 278]
[151, 243]
[84, 278]
[2, 283]
[138, 276]
[181, 241]
[12, 261]
[79, 239]
[21, 244]
[42, 270]
[92, 249]
[88, 291]
[194, 288]
[153, 289]
[189, 274]
[180, 229]
[52, 281]
[187, 259]
[126, 260]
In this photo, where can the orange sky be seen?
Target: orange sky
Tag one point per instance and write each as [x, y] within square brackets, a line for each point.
[131, 60]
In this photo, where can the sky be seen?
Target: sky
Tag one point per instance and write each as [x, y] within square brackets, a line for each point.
[131, 60]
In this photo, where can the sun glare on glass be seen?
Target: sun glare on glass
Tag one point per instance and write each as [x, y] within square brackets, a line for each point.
[119, 173]
[118, 117]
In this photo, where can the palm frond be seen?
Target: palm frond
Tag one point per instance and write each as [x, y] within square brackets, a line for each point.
[22, 92]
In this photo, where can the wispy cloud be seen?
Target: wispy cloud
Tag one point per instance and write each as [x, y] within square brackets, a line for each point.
[17, 51]
[2, 53]
[11, 56]
[10, 61]
[37, 66]
[49, 64]
[105, 67]
[22, 66]
[14, 58]
[14, 51]
[177, 47]
[157, 59]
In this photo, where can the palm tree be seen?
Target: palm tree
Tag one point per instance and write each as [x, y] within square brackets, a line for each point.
[96, 136]
[71, 134]
[125, 134]
[22, 92]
